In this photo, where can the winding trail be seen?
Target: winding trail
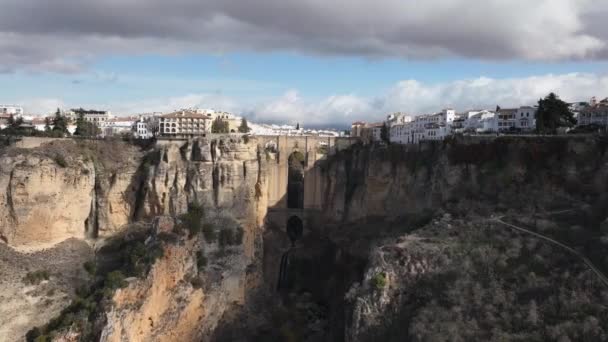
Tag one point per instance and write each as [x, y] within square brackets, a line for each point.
[572, 251]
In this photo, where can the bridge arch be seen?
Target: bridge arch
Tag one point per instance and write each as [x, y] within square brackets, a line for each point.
[295, 180]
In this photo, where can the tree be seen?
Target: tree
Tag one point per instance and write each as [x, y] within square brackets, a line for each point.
[553, 113]
[384, 134]
[219, 126]
[47, 125]
[85, 128]
[11, 120]
[60, 124]
[13, 126]
[244, 128]
[298, 126]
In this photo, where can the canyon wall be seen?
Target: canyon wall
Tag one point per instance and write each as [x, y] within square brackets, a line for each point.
[65, 189]
[90, 189]
[464, 175]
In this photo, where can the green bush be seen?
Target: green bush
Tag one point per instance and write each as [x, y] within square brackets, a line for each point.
[246, 139]
[115, 280]
[379, 281]
[34, 278]
[90, 267]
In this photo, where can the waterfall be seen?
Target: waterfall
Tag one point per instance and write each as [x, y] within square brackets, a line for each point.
[283, 272]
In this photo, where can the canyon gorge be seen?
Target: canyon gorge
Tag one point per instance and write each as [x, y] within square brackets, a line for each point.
[244, 238]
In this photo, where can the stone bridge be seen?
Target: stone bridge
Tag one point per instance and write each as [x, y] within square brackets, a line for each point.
[314, 150]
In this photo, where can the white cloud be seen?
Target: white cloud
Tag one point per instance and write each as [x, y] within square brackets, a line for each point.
[42, 106]
[409, 96]
[63, 35]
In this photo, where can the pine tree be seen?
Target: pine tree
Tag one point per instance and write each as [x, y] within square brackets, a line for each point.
[384, 134]
[219, 126]
[553, 113]
[47, 124]
[244, 128]
[298, 126]
[60, 124]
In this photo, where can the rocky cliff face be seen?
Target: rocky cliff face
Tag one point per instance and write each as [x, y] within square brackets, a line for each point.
[93, 189]
[463, 176]
[97, 189]
[219, 173]
[168, 304]
[65, 189]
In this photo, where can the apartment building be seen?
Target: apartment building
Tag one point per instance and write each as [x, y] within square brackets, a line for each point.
[184, 123]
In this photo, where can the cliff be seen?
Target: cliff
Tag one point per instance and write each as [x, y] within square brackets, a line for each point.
[100, 190]
[65, 189]
[90, 189]
[466, 175]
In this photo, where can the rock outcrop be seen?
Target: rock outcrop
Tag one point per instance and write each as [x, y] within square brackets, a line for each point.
[65, 189]
[94, 189]
[465, 176]
[168, 305]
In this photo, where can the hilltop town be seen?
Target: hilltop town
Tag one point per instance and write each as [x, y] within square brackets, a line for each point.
[401, 128]
[182, 123]
[397, 128]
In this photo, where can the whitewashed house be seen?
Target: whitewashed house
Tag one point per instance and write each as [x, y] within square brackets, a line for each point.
[15, 110]
[525, 118]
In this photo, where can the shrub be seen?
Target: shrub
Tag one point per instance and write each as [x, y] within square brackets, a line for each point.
[238, 236]
[115, 280]
[60, 160]
[192, 220]
[196, 282]
[209, 232]
[379, 281]
[246, 139]
[226, 237]
[34, 278]
[90, 267]
[201, 261]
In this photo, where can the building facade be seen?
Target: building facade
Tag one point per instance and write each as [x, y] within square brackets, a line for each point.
[184, 123]
[11, 110]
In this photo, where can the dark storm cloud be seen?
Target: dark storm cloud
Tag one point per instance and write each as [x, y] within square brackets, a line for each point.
[62, 35]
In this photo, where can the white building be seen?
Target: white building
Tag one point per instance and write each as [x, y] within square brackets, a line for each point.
[507, 119]
[184, 123]
[593, 116]
[423, 127]
[117, 125]
[11, 110]
[525, 118]
[99, 117]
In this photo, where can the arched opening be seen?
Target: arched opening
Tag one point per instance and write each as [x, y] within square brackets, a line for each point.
[295, 181]
[295, 229]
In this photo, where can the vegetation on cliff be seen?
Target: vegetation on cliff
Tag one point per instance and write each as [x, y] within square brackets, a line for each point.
[122, 257]
[480, 281]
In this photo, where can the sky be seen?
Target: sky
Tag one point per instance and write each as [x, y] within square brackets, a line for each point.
[316, 62]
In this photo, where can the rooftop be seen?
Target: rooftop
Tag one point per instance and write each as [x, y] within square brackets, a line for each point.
[185, 114]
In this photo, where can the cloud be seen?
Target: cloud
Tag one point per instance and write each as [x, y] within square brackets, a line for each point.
[415, 97]
[42, 106]
[410, 96]
[65, 35]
